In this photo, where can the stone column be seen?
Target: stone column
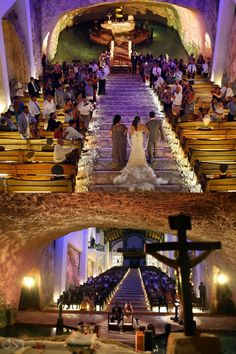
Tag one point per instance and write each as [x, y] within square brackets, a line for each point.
[5, 100]
[84, 258]
[60, 267]
[222, 43]
[107, 256]
[22, 8]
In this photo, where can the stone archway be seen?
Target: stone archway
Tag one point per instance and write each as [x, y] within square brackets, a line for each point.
[29, 223]
[191, 24]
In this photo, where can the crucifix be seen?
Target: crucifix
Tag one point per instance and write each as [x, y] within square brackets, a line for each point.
[183, 263]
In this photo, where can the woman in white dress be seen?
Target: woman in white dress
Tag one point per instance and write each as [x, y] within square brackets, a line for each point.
[137, 174]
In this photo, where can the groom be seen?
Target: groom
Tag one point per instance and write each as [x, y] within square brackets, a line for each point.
[155, 130]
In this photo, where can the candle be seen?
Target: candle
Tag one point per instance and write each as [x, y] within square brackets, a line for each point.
[139, 341]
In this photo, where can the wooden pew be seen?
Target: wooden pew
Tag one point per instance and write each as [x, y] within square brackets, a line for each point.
[42, 170]
[204, 144]
[29, 186]
[222, 156]
[221, 185]
[215, 134]
[210, 169]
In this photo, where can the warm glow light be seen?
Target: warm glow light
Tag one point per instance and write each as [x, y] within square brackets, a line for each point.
[29, 282]
[222, 279]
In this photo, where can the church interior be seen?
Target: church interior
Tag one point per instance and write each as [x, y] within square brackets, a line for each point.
[117, 176]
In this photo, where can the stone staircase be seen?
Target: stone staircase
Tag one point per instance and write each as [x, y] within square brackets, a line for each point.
[128, 96]
[131, 290]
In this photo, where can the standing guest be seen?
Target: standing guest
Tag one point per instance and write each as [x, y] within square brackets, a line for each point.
[134, 62]
[155, 130]
[191, 70]
[18, 106]
[128, 309]
[188, 101]
[85, 109]
[166, 98]
[33, 87]
[24, 123]
[68, 110]
[177, 102]
[205, 69]
[232, 109]
[178, 74]
[227, 93]
[119, 142]
[68, 93]
[48, 107]
[59, 96]
[34, 109]
[101, 81]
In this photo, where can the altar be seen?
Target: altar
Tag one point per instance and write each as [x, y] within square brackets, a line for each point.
[117, 27]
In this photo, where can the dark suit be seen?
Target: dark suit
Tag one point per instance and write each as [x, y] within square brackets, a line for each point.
[33, 89]
[155, 130]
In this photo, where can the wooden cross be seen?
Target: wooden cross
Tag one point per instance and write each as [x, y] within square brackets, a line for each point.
[183, 263]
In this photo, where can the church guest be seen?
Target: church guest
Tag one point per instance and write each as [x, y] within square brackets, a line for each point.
[33, 87]
[216, 94]
[223, 171]
[178, 74]
[68, 93]
[202, 292]
[85, 109]
[34, 110]
[48, 107]
[59, 96]
[117, 313]
[177, 102]
[217, 111]
[191, 70]
[155, 130]
[24, 123]
[205, 69]
[70, 133]
[62, 153]
[18, 106]
[58, 131]
[3, 125]
[232, 109]
[227, 93]
[128, 309]
[52, 123]
[119, 142]
[101, 81]
[8, 121]
[68, 110]
[188, 101]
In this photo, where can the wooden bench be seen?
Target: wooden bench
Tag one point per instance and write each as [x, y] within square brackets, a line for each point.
[21, 156]
[221, 185]
[28, 186]
[215, 134]
[41, 170]
[214, 125]
[204, 144]
[210, 169]
[222, 156]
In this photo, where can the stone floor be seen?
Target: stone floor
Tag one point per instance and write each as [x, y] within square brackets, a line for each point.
[128, 96]
[204, 322]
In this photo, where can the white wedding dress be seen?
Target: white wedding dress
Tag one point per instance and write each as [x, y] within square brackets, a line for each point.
[137, 174]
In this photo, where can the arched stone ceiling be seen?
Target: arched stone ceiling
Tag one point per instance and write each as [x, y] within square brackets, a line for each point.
[188, 21]
[28, 223]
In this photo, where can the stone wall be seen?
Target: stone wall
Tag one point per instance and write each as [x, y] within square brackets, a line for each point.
[231, 65]
[36, 20]
[16, 52]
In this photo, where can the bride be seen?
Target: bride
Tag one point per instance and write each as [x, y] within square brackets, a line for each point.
[137, 174]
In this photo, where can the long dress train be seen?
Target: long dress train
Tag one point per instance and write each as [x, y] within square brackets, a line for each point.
[137, 174]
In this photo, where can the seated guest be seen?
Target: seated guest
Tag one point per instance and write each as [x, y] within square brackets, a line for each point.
[217, 111]
[178, 74]
[63, 154]
[3, 125]
[232, 109]
[58, 131]
[116, 312]
[8, 121]
[223, 171]
[71, 133]
[216, 94]
[52, 123]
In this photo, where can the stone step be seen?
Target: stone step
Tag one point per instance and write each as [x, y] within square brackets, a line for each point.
[105, 164]
[107, 177]
[168, 188]
[105, 142]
